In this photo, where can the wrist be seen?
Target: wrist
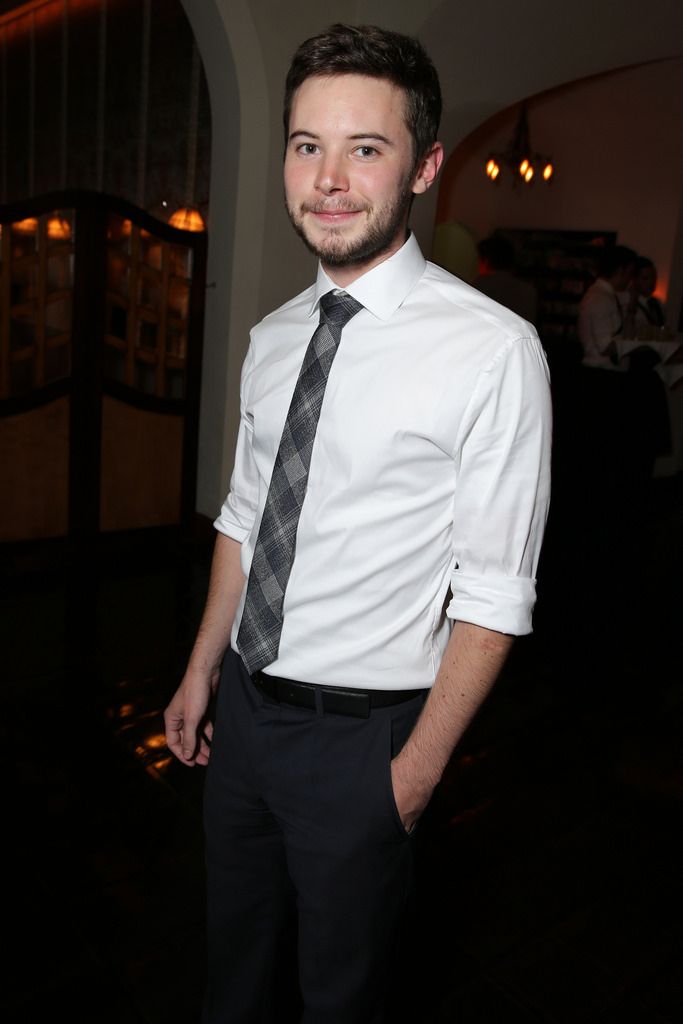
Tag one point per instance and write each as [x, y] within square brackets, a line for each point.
[203, 672]
[415, 787]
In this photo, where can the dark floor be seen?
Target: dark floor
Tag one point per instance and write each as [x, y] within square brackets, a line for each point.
[550, 861]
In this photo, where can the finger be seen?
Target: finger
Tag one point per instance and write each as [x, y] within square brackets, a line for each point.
[176, 748]
[174, 740]
[173, 722]
[189, 741]
[175, 734]
[204, 752]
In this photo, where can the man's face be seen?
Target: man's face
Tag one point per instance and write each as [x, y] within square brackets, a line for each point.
[349, 171]
[622, 277]
[646, 281]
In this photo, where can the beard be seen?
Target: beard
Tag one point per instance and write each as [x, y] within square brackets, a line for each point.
[378, 235]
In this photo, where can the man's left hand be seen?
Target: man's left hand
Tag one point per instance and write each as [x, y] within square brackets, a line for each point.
[410, 799]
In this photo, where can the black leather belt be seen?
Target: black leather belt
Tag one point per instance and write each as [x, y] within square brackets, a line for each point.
[335, 699]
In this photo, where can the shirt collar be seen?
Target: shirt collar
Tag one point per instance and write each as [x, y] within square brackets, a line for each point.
[382, 289]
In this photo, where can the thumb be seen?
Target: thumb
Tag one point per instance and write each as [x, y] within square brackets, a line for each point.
[189, 740]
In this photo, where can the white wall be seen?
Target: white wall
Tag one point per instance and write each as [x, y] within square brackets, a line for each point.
[232, 60]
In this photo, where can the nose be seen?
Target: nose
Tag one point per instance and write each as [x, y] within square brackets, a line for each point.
[332, 176]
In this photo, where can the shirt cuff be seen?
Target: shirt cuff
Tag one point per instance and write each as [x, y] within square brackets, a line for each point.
[231, 528]
[502, 603]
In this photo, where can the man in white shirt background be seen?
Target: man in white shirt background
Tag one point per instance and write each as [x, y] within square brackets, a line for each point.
[604, 307]
[374, 557]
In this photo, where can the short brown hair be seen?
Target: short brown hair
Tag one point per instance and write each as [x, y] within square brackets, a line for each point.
[378, 53]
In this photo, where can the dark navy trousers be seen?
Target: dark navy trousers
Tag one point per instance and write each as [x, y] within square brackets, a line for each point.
[301, 825]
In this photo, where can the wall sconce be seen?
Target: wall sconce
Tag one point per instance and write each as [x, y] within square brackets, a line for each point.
[519, 158]
[187, 219]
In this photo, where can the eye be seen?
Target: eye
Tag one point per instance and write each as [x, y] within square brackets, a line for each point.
[308, 148]
[366, 151]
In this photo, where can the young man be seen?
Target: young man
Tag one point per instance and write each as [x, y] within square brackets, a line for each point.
[400, 454]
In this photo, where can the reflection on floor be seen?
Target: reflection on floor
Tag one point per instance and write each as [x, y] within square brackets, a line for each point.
[549, 863]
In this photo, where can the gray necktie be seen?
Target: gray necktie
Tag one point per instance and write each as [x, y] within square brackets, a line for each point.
[258, 638]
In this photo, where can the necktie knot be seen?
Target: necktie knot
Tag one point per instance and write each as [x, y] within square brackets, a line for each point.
[337, 308]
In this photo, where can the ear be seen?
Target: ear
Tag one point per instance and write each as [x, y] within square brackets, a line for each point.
[428, 169]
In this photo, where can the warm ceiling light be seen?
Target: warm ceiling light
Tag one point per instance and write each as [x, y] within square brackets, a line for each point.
[519, 157]
[187, 219]
[492, 169]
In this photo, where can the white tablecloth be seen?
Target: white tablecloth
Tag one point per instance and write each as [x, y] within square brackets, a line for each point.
[666, 349]
[669, 350]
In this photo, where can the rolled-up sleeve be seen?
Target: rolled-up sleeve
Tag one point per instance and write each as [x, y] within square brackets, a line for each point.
[502, 490]
[238, 512]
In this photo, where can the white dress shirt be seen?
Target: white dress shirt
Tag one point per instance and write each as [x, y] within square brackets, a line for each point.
[601, 319]
[430, 470]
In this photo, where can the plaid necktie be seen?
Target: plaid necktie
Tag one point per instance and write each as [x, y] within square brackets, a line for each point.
[258, 638]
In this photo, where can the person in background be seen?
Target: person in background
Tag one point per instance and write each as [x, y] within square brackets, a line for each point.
[498, 280]
[647, 310]
[605, 306]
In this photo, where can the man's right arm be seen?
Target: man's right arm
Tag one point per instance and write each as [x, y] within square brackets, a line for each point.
[188, 730]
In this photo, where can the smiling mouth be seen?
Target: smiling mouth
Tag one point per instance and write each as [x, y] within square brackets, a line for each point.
[333, 217]
[324, 210]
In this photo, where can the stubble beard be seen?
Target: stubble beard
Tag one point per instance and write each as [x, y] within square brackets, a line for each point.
[334, 250]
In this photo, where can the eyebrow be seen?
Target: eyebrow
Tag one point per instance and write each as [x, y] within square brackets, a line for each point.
[373, 136]
[356, 137]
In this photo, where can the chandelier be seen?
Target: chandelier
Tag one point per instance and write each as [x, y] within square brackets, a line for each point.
[519, 158]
